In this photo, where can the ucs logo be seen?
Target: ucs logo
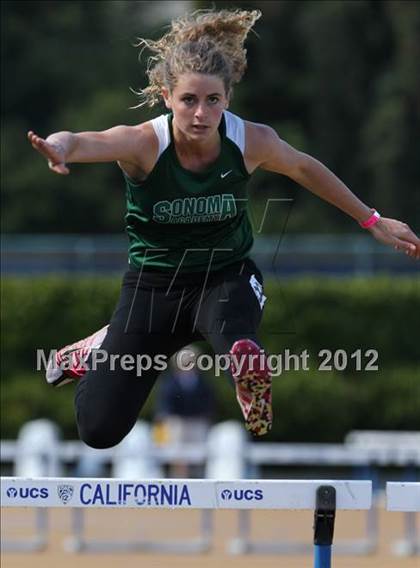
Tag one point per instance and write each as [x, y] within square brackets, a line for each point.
[226, 495]
[28, 492]
[242, 494]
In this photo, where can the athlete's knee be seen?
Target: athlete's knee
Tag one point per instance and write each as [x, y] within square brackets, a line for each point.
[99, 436]
[100, 430]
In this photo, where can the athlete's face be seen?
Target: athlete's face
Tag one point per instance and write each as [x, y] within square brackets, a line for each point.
[197, 103]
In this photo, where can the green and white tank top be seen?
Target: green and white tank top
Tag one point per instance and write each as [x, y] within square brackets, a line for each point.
[187, 221]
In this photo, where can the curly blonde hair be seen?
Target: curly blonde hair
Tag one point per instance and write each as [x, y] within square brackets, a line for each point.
[207, 41]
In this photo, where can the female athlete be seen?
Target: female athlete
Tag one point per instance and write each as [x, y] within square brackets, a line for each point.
[190, 276]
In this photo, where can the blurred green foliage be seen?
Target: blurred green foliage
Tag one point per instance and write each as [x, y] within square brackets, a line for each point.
[310, 314]
[337, 79]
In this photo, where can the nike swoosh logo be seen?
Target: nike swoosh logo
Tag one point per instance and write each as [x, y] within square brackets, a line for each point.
[71, 351]
[223, 175]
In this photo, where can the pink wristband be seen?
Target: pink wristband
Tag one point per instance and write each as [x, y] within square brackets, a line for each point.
[373, 219]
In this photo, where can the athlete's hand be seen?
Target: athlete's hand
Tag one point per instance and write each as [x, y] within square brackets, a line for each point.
[399, 235]
[53, 152]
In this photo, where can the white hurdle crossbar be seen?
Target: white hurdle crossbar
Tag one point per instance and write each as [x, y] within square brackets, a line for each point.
[178, 493]
[86, 493]
[405, 497]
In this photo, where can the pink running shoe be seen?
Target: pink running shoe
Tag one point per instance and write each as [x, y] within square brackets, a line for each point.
[69, 363]
[253, 385]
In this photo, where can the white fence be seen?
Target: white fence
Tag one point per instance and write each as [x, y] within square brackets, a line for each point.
[39, 452]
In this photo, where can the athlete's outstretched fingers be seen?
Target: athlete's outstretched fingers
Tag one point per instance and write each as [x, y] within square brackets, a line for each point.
[52, 154]
[59, 168]
[39, 144]
[410, 249]
[398, 235]
[409, 243]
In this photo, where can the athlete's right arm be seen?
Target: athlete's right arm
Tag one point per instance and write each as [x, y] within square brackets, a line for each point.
[120, 143]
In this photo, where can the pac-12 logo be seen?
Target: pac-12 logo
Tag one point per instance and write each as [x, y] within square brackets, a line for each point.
[242, 494]
[65, 493]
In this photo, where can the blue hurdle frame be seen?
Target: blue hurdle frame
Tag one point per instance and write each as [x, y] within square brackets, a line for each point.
[324, 518]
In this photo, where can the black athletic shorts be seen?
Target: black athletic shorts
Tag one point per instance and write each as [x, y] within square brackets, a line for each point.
[157, 314]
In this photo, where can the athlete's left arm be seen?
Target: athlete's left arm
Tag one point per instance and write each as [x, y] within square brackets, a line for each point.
[271, 153]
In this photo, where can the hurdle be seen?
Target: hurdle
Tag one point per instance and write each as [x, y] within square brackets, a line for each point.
[405, 497]
[35, 454]
[323, 497]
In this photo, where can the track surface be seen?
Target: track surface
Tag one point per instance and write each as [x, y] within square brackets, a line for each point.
[168, 525]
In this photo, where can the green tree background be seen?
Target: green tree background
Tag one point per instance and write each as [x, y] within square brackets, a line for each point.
[337, 79]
